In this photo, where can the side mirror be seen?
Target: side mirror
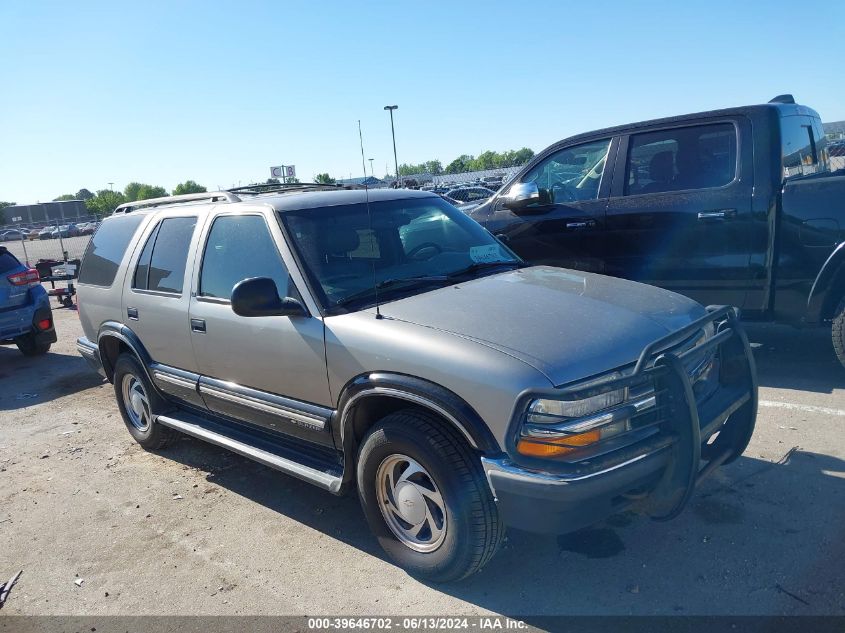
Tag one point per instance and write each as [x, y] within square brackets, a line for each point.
[520, 195]
[259, 297]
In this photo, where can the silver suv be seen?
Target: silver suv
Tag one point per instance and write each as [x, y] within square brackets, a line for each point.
[383, 340]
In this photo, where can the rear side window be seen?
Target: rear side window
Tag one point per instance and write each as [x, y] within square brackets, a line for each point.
[800, 149]
[106, 250]
[161, 266]
[240, 247]
[7, 261]
[696, 157]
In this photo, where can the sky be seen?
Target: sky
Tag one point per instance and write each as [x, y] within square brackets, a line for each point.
[218, 92]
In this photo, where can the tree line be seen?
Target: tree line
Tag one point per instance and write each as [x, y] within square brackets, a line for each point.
[105, 201]
[463, 163]
[467, 162]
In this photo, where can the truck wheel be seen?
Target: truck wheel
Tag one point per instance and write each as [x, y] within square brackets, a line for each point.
[28, 347]
[139, 403]
[425, 497]
[838, 332]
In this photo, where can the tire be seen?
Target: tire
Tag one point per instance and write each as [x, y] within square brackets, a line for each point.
[139, 403]
[451, 543]
[28, 347]
[837, 332]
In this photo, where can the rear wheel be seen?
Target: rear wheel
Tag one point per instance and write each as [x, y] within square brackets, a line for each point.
[425, 497]
[139, 404]
[29, 347]
[838, 331]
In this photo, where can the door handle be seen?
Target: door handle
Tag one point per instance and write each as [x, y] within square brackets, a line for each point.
[132, 313]
[580, 225]
[198, 325]
[720, 214]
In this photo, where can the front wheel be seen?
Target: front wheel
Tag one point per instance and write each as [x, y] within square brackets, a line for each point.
[425, 497]
[837, 332]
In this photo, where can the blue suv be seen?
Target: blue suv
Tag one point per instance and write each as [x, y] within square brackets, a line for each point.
[25, 315]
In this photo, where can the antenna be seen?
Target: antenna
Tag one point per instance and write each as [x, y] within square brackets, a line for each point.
[369, 214]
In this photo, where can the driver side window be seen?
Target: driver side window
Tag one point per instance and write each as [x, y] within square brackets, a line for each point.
[572, 174]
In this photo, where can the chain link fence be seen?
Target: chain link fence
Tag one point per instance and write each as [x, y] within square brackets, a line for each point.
[56, 241]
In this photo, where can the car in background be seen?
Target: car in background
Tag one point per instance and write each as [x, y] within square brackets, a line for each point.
[741, 206]
[12, 235]
[65, 230]
[493, 182]
[25, 315]
[46, 233]
[87, 228]
[470, 194]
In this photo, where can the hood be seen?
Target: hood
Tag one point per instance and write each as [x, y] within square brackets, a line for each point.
[567, 324]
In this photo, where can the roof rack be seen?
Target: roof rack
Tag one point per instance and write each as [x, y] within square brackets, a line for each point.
[269, 187]
[211, 196]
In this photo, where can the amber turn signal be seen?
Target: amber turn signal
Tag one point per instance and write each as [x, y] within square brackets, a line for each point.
[533, 447]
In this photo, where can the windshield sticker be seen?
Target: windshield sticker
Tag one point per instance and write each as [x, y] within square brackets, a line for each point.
[486, 253]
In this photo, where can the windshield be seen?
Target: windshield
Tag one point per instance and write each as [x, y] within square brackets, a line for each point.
[413, 245]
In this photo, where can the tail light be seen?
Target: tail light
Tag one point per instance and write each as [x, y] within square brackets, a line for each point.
[28, 277]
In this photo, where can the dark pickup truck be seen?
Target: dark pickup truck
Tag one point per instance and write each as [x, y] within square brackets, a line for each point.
[735, 206]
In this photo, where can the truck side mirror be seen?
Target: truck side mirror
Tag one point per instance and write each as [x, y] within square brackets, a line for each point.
[521, 195]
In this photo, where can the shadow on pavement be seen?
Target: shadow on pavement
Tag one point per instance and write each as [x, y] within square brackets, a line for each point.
[799, 359]
[30, 380]
[742, 546]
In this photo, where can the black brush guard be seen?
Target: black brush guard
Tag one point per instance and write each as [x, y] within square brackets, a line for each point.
[687, 427]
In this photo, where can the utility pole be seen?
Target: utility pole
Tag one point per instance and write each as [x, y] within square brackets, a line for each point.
[390, 109]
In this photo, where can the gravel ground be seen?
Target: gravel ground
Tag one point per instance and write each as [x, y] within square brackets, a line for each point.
[99, 526]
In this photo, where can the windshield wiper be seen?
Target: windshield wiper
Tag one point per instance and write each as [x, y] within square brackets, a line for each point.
[389, 283]
[483, 266]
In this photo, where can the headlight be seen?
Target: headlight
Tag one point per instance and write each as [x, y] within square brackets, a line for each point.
[558, 427]
[544, 411]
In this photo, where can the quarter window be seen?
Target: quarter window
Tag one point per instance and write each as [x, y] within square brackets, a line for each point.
[571, 175]
[240, 247]
[161, 266]
[106, 250]
[698, 157]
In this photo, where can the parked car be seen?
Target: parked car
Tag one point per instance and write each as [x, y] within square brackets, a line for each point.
[25, 315]
[46, 233]
[65, 230]
[33, 234]
[733, 206]
[87, 228]
[12, 235]
[384, 341]
[469, 194]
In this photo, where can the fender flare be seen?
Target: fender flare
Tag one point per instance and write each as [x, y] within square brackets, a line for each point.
[436, 398]
[830, 275]
[115, 330]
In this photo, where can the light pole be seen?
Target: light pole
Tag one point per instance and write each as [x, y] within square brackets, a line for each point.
[393, 133]
[111, 188]
[372, 173]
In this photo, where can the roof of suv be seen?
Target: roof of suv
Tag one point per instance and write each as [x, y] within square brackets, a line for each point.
[292, 200]
[333, 198]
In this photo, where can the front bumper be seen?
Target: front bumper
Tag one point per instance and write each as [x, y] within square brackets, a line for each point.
[91, 353]
[658, 474]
